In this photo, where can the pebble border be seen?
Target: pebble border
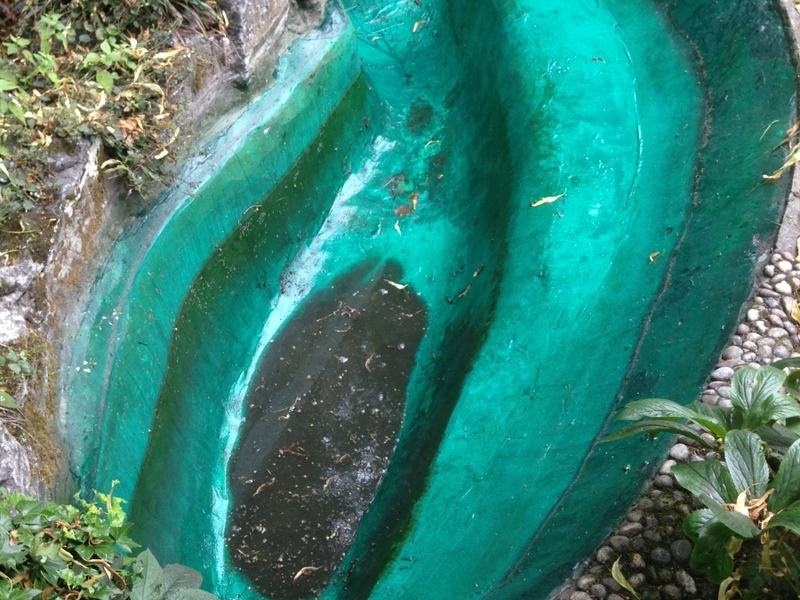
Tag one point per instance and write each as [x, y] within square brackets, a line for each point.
[650, 542]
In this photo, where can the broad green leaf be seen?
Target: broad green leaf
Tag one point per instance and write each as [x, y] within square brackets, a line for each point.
[105, 80]
[788, 518]
[189, 594]
[707, 477]
[744, 456]
[787, 363]
[654, 427]
[17, 111]
[616, 573]
[736, 522]
[787, 480]
[710, 552]
[658, 408]
[754, 394]
[6, 85]
[722, 414]
[694, 524]
[179, 577]
[148, 584]
[7, 401]
[792, 384]
[777, 437]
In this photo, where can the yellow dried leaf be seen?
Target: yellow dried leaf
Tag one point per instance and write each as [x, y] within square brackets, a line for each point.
[741, 504]
[170, 53]
[161, 154]
[417, 25]
[399, 286]
[548, 199]
[654, 256]
[305, 571]
[616, 573]
[796, 311]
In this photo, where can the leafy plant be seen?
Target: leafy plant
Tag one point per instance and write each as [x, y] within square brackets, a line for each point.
[49, 550]
[746, 537]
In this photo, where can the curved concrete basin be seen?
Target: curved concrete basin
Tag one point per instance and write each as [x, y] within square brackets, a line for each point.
[368, 348]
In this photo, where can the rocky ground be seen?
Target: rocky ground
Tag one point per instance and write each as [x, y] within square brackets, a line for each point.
[650, 542]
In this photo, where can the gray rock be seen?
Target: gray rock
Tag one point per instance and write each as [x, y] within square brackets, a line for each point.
[645, 504]
[725, 403]
[787, 303]
[664, 575]
[758, 300]
[651, 594]
[619, 543]
[599, 591]
[707, 437]
[634, 516]
[777, 312]
[615, 597]
[749, 357]
[764, 351]
[651, 522]
[651, 536]
[585, 582]
[580, 596]
[664, 481]
[606, 555]
[776, 320]
[16, 299]
[773, 302]
[666, 468]
[760, 327]
[683, 579]
[724, 391]
[777, 333]
[784, 266]
[660, 556]
[790, 327]
[766, 293]
[766, 342]
[671, 592]
[769, 270]
[611, 584]
[753, 315]
[680, 452]
[780, 352]
[638, 543]
[15, 471]
[630, 530]
[778, 278]
[681, 550]
[748, 345]
[637, 580]
[722, 374]
[742, 329]
[637, 562]
[737, 339]
[752, 337]
[732, 352]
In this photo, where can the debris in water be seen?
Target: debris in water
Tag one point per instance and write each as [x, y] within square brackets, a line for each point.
[399, 286]
[548, 199]
[305, 571]
[654, 256]
[403, 210]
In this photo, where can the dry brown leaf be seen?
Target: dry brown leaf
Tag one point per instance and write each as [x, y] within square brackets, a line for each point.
[654, 256]
[414, 198]
[548, 199]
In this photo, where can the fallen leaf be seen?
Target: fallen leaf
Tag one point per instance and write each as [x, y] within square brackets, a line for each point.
[654, 256]
[414, 198]
[796, 311]
[399, 286]
[417, 25]
[397, 228]
[305, 571]
[403, 210]
[616, 573]
[548, 199]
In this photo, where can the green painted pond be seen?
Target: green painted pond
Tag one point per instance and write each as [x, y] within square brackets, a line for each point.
[371, 356]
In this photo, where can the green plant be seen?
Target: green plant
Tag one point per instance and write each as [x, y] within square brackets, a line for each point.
[746, 537]
[49, 550]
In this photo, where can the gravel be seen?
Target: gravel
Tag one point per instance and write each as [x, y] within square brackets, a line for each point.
[654, 553]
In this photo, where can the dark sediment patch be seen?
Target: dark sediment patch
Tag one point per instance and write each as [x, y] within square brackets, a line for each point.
[321, 426]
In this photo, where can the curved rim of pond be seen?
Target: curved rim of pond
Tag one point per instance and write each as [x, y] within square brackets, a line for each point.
[415, 280]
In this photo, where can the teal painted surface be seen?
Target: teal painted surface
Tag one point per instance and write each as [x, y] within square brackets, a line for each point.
[541, 321]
